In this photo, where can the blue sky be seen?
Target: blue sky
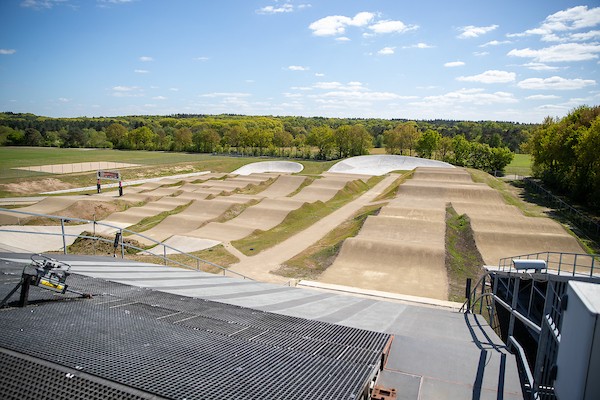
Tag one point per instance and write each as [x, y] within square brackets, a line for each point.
[462, 59]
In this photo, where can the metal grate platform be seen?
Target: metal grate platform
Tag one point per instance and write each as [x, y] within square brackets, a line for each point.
[179, 347]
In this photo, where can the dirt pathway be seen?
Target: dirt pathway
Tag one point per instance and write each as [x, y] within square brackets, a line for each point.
[259, 266]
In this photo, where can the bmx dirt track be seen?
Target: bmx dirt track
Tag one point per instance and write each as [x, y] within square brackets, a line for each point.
[400, 250]
[403, 248]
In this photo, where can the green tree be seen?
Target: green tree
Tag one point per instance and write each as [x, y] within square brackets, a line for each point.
[282, 139]
[428, 143]
[182, 140]
[445, 149]
[409, 135]
[142, 138]
[117, 134]
[392, 141]
[360, 140]
[322, 138]
[461, 148]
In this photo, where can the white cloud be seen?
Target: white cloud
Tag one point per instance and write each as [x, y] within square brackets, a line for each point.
[386, 51]
[471, 31]
[481, 53]
[63, 100]
[141, 71]
[174, 89]
[388, 26]
[361, 95]
[284, 8]
[159, 98]
[201, 58]
[558, 26]
[146, 59]
[342, 39]
[491, 76]
[127, 91]
[583, 36]
[555, 83]
[494, 43]
[125, 88]
[336, 24]
[297, 68]
[560, 53]
[470, 96]
[7, 51]
[226, 94]
[101, 2]
[419, 46]
[542, 97]
[43, 4]
[318, 74]
[539, 66]
[453, 64]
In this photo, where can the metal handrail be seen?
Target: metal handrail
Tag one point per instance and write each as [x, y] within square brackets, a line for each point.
[122, 243]
[581, 265]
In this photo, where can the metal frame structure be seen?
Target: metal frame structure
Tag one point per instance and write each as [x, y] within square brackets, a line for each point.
[525, 309]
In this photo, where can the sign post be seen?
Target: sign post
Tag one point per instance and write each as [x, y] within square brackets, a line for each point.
[110, 175]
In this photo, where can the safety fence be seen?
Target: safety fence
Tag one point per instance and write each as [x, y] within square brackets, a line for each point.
[575, 216]
[167, 254]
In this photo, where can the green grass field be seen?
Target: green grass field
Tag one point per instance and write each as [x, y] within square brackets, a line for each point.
[520, 165]
[153, 164]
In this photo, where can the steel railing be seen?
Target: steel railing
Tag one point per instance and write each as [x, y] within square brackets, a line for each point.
[569, 264]
[119, 242]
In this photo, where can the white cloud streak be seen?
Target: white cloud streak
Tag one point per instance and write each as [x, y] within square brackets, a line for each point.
[454, 64]
[146, 59]
[388, 26]
[491, 76]
[298, 68]
[336, 24]
[284, 8]
[470, 31]
[555, 83]
[558, 27]
[386, 51]
[7, 52]
[560, 53]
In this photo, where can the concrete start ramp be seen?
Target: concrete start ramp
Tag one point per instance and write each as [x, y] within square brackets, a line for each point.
[288, 167]
[383, 164]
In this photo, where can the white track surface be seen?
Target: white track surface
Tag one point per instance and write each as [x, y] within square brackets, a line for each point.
[382, 164]
[288, 167]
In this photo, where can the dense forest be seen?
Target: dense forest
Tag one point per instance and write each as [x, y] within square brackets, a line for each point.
[485, 145]
[565, 154]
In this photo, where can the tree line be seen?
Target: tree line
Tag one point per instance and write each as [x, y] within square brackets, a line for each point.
[486, 145]
[565, 154]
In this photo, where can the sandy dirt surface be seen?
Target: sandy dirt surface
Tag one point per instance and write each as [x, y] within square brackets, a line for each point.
[199, 213]
[283, 186]
[259, 266]
[401, 250]
[77, 167]
[323, 189]
[35, 186]
[54, 205]
[264, 216]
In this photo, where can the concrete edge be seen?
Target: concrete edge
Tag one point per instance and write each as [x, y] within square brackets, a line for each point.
[454, 306]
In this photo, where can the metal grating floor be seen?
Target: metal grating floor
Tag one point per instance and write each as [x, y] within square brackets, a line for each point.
[178, 347]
